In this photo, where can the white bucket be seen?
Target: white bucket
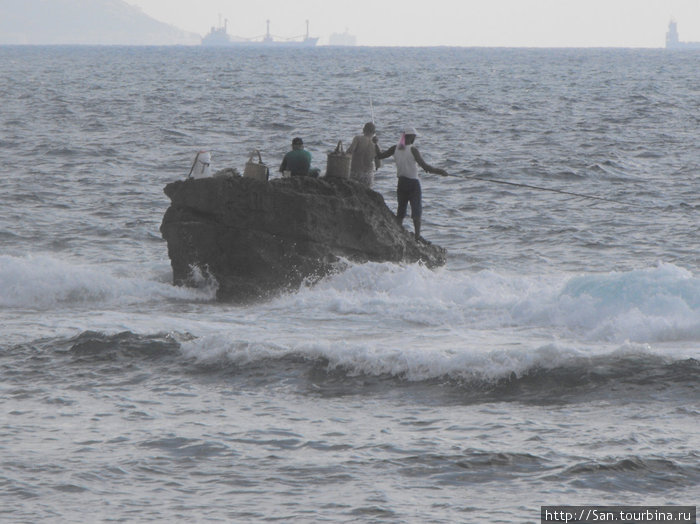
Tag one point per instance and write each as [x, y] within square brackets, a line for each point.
[201, 168]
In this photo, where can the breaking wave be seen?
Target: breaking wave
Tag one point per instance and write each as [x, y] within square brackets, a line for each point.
[44, 282]
[546, 375]
[658, 304]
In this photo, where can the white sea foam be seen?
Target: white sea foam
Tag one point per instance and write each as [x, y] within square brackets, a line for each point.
[410, 362]
[412, 322]
[656, 304]
[45, 281]
[394, 306]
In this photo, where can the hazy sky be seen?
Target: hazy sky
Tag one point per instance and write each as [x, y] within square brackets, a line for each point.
[537, 23]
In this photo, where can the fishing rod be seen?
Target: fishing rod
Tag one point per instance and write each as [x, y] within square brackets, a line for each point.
[553, 190]
[193, 164]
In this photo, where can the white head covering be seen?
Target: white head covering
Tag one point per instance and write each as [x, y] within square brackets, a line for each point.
[410, 130]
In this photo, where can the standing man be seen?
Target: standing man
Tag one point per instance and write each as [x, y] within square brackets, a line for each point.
[364, 150]
[298, 160]
[408, 188]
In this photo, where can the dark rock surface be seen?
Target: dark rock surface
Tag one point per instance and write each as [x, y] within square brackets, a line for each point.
[259, 238]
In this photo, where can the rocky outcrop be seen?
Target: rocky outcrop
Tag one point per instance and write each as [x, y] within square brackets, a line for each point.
[258, 238]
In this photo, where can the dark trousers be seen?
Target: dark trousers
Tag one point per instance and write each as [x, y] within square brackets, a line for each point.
[409, 190]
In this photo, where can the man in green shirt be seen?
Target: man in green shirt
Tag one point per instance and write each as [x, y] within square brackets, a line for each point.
[298, 160]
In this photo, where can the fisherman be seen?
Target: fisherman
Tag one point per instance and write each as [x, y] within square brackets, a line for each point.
[298, 160]
[364, 150]
[408, 188]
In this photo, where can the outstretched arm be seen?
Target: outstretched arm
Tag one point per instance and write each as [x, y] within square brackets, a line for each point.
[427, 167]
[386, 154]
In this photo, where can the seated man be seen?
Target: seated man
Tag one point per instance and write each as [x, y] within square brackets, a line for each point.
[298, 160]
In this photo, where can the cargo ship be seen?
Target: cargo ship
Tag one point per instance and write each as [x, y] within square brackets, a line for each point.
[218, 36]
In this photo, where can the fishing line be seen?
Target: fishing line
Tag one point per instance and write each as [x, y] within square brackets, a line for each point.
[561, 191]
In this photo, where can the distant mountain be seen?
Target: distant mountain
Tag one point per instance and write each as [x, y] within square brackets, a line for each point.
[93, 22]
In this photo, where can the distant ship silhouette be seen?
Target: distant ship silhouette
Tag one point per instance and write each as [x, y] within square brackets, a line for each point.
[342, 39]
[672, 40]
[218, 36]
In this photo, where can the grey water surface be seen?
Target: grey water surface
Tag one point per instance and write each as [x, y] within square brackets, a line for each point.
[553, 360]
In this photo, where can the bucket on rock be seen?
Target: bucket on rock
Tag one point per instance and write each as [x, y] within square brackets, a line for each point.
[257, 170]
[338, 162]
[201, 167]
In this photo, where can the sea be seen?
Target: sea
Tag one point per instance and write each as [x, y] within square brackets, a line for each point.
[554, 359]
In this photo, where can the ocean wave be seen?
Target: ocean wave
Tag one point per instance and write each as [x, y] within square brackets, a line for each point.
[653, 305]
[543, 376]
[96, 346]
[461, 309]
[550, 373]
[634, 473]
[658, 304]
[45, 281]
